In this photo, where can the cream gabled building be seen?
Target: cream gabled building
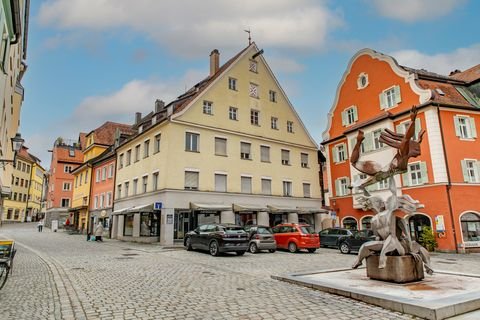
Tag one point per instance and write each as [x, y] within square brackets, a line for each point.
[232, 149]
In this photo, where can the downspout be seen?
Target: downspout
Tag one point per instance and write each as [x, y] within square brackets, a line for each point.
[449, 183]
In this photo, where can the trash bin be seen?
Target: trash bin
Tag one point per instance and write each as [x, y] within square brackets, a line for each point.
[54, 225]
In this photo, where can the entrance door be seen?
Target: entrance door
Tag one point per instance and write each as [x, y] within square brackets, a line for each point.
[417, 223]
[181, 223]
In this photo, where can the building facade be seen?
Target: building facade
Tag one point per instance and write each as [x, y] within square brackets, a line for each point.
[376, 93]
[14, 28]
[232, 149]
[36, 191]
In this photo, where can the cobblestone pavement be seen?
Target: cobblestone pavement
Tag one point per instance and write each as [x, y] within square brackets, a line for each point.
[61, 276]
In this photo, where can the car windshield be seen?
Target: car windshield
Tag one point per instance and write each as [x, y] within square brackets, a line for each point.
[264, 230]
[307, 230]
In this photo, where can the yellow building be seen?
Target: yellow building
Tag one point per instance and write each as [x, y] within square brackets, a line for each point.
[96, 142]
[23, 188]
[35, 192]
[232, 149]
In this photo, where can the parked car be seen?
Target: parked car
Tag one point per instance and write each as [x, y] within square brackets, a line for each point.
[331, 237]
[261, 238]
[217, 238]
[354, 242]
[294, 237]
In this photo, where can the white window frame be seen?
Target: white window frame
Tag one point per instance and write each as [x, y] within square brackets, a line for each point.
[67, 168]
[110, 171]
[287, 188]
[361, 85]
[285, 157]
[376, 140]
[104, 173]
[197, 182]
[245, 155]
[306, 186]
[272, 95]
[146, 148]
[109, 199]
[232, 83]
[466, 130]
[274, 123]
[144, 184]
[245, 178]
[207, 107]
[156, 146]
[69, 184]
[342, 186]
[135, 186]
[264, 153]
[254, 117]
[190, 137]
[390, 97]
[155, 177]
[290, 126]
[471, 170]
[233, 113]
[97, 174]
[217, 186]
[218, 146]
[128, 157]
[137, 153]
[304, 160]
[264, 179]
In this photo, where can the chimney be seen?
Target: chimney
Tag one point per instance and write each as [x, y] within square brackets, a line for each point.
[159, 105]
[138, 117]
[214, 62]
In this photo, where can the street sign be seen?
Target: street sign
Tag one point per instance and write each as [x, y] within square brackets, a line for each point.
[157, 206]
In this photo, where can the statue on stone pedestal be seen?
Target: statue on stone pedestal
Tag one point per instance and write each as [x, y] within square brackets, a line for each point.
[392, 233]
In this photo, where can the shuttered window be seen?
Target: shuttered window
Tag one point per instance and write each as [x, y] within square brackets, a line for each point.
[265, 153]
[390, 97]
[465, 127]
[191, 180]
[246, 185]
[285, 157]
[416, 174]
[339, 152]
[266, 186]
[304, 160]
[349, 116]
[220, 146]
[220, 182]
[306, 190]
[471, 170]
[245, 150]
[402, 128]
[341, 186]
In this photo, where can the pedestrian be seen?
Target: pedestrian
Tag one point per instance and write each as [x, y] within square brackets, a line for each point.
[40, 225]
[99, 232]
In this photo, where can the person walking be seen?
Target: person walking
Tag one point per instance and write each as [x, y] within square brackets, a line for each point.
[40, 225]
[99, 232]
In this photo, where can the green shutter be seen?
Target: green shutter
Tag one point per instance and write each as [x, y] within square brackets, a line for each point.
[423, 170]
[348, 185]
[383, 100]
[406, 180]
[337, 187]
[353, 141]
[398, 97]
[457, 126]
[472, 127]
[464, 170]
[418, 127]
[344, 118]
[346, 150]
[334, 154]
[368, 141]
[400, 129]
[355, 113]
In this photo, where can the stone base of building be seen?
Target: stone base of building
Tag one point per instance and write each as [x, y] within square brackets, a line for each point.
[399, 269]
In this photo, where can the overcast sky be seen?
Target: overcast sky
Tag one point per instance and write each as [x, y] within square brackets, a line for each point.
[91, 61]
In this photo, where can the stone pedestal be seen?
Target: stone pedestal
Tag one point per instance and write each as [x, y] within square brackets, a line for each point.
[399, 269]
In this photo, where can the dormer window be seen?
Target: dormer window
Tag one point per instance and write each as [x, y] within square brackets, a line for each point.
[362, 80]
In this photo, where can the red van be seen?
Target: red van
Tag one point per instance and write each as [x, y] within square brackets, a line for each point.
[294, 237]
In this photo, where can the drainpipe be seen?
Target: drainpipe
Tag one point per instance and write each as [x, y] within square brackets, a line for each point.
[449, 181]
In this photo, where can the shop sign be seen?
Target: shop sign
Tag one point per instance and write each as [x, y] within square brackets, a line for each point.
[471, 244]
[157, 206]
[169, 218]
[439, 223]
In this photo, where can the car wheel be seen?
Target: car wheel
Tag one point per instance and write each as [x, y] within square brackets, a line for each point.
[188, 244]
[344, 248]
[240, 253]
[253, 248]
[214, 251]
[272, 250]
[312, 250]
[292, 247]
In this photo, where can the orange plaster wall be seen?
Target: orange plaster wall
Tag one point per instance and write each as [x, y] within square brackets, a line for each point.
[104, 186]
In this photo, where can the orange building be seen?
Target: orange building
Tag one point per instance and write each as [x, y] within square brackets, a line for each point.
[374, 93]
[66, 156]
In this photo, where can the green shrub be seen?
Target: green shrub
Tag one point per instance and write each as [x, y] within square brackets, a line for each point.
[427, 239]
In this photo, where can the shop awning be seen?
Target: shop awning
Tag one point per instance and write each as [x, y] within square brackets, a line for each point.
[77, 208]
[141, 208]
[237, 207]
[310, 210]
[210, 206]
[281, 209]
[120, 211]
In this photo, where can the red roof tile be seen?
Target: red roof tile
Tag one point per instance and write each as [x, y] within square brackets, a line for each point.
[469, 75]
[451, 94]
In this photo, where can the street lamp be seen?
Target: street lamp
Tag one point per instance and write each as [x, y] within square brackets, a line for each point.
[17, 143]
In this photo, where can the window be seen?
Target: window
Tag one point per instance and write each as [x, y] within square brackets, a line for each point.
[24, 167]
[287, 188]
[128, 225]
[465, 127]
[362, 80]
[97, 175]
[67, 169]
[155, 181]
[120, 161]
[253, 90]
[81, 179]
[266, 186]
[76, 182]
[67, 186]
[17, 180]
[246, 184]
[137, 152]
[383, 184]
[339, 153]
[254, 115]
[135, 186]
[14, 196]
[28, 168]
[86, 176]
[156, 146]
[390, 97]
[232, 84]
[349, 116]
[304, 160]
[376, 139]
[191, 141]
[119, 191]
[191, 180]
[220, 182]
[95, 202]
[128, 157]
[104, 173]
[253, 66]
[110, 171]
[290, 126]
[232, 113]
[144, 184]
[208, 107]
[341, 186]
[470, 169]
[416, 174]
[272, 95]
[265, 153]
[470, 222]
[306, 190]
[102, 200]
[285, 157]
[274, 123]
[245, 151]
[220, 146]
[127, 185]
[65, 202]
[146, 148]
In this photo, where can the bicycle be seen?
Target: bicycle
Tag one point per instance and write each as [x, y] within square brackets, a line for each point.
[7, 253]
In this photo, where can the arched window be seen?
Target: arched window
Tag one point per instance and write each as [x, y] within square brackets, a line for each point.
[367, 223]
[350, 223]
[470, 226]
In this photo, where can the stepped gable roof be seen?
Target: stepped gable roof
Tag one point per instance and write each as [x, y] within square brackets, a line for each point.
[469, 75]
[105, 134]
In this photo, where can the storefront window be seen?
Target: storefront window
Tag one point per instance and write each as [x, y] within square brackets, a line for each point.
[306, 219]
[278, 218]
[470, 227]
[205, 218]
[128, 225]
[367, 223]
[149, 224]
[350, 223]
[246, 219]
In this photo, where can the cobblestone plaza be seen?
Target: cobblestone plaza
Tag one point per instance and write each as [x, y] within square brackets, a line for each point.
[61, 276]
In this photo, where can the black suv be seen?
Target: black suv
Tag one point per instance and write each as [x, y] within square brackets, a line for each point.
[217, 238]
[355, 241]
[332, 237]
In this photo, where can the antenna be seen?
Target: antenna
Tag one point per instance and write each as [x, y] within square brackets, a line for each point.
[249, 36]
